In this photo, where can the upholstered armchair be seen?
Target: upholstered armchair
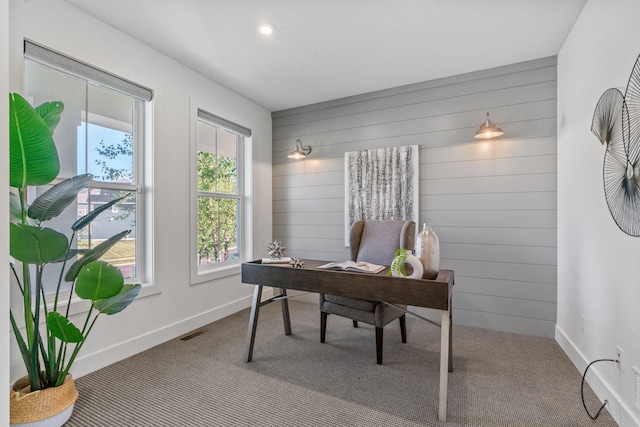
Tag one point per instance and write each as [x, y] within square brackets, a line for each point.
[375, 242]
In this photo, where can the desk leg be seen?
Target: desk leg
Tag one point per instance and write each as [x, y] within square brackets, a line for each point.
[253, 323]
[445, 340]
[285, 312]
[450, 337]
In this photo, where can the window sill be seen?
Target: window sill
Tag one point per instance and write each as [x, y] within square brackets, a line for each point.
[218, 273]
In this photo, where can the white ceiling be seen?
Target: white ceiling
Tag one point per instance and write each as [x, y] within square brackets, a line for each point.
[329, 49]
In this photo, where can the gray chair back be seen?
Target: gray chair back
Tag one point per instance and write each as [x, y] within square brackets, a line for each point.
[376, 241]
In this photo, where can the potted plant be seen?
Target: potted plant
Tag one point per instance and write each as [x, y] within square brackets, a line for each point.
[50, 342]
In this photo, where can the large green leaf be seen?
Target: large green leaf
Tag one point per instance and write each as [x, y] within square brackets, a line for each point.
[85, 220]
[99, 280]
[50, 113]
[55, 200]
[33, 158]
[35, 245]
[62, 328]
[119, 302]
[93, 254]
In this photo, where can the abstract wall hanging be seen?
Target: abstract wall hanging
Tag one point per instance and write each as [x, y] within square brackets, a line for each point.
[616, 124]
[381, 184]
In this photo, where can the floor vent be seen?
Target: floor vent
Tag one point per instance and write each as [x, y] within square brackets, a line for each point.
[636, 388]
[192, 335]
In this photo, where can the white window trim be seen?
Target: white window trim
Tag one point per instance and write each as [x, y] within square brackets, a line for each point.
[231, 268]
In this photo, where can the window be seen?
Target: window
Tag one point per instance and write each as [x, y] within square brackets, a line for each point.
[219, 192]
[100, 132]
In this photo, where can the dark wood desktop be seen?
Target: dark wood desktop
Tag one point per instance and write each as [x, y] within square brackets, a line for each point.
[435, 294]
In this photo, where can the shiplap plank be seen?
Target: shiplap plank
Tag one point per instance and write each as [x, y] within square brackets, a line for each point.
[492, 219]
[521, 254]
[541, 310]
[546, 237]
[497, 201]
[309, 205]
[502, 270]
[506, 288]
[490, 167]
[546, 182]
[504, 323]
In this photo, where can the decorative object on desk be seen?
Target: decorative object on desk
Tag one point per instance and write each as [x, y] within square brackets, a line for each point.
[488, 130]
[276, 250]
[296, 262]
[50, 342]
[381, 184]
[300, 151]
[403, 257]
[428, 251]
[616, 124]
[353, 266]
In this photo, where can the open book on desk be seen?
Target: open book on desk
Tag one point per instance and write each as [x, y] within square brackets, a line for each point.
[357, 267]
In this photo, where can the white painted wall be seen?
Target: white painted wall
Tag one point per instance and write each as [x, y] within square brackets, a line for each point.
[598, 275]
[178, 307]
[4, 215]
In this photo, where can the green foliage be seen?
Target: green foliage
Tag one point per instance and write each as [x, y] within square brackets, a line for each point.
[33, 158]
[34, 161]
[217, 216]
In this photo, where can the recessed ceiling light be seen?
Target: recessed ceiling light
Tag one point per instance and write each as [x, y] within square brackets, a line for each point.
[266, 28]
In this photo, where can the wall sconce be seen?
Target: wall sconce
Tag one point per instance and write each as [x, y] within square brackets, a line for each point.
[488, 130]
[300, 152]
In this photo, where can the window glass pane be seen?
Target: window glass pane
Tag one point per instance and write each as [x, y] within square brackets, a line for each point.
[45, 85]
[109, 143]
[217, 230]
[121, 217]
[217, 160]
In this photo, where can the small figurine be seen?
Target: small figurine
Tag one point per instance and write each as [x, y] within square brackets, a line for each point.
[296, 262]
[276, 250]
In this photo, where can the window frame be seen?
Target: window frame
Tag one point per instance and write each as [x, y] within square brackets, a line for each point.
[243, 143]
[143, 153]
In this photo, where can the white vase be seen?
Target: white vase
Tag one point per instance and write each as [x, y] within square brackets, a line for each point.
[415, 264]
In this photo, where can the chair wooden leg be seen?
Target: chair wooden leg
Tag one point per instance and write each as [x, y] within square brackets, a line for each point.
[323, 325]
[355, 323]
[403, 328]
[379, 335]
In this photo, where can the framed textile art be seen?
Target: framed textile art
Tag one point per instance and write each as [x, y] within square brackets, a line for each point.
[381, 184]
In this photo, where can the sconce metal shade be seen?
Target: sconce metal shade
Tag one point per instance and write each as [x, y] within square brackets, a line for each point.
[488, 130]
[300, 151]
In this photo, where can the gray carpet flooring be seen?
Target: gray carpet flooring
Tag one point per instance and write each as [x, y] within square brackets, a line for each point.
[499, 379]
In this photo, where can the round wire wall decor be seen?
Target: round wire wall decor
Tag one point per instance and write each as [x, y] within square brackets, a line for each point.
[616, 124]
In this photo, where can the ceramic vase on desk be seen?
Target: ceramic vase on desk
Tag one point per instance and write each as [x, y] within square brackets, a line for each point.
[428, 251]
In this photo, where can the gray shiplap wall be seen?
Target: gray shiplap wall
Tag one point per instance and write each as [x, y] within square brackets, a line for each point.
[492, 203]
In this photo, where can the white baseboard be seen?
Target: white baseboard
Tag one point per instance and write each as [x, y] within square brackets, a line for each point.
[97, 360]
[619, 410]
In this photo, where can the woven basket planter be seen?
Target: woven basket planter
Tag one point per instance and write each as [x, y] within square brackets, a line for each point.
[51, 407]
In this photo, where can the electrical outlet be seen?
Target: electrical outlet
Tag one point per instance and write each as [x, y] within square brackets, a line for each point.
[619, 356]
[582, 320]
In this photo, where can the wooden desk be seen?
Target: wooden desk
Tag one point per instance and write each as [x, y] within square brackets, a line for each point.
[434, 294]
